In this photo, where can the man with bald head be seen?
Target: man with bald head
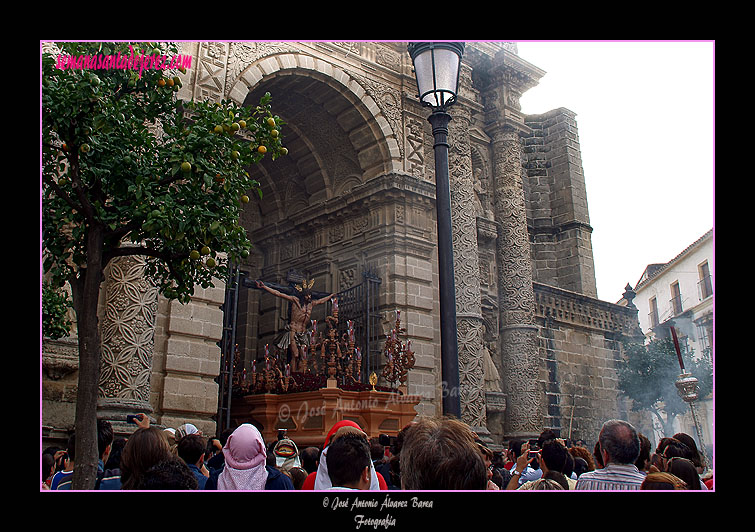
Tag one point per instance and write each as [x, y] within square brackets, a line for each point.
[619, 446]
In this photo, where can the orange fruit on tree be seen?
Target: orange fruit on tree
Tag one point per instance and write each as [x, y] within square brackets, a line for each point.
[262, 149]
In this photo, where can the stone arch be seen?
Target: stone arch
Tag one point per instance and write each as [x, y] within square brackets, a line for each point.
[308, 93]
[346, 184]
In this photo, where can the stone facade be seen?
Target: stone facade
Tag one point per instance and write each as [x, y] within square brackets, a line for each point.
[579, 341]
[356, 193]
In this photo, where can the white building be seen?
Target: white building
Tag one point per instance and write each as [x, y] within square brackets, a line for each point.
[680, 292]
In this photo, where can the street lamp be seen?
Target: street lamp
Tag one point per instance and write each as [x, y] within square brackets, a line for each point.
[437, 66]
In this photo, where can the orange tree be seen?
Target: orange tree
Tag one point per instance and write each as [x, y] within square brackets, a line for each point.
[128, 168]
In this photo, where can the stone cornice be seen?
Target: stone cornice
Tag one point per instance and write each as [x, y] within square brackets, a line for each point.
[545, 226]
[583, 311]
[357, 201]
[60, 357]
[507, 68]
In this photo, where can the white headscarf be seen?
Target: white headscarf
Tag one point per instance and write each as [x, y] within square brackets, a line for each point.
[245, 459]
[322, 479]
[323, 482]
[185, 430]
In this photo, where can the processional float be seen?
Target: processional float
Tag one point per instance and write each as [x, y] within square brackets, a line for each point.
[326, 384]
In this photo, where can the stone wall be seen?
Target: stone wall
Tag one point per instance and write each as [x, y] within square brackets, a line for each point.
[557, 213]
[187, 359]
[59, 382]
[579, 343]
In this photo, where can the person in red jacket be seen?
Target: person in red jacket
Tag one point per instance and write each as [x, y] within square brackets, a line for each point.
[320, 480]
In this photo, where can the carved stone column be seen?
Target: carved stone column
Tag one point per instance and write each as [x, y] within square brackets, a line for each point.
[518, 334]
[128, 337]
[466, 272]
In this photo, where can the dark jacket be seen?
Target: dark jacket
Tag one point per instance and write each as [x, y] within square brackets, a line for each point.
[275, 480]
[201, 479]
[384, 468]
[107, 479]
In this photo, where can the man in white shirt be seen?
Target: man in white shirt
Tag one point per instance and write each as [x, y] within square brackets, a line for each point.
[619, 448]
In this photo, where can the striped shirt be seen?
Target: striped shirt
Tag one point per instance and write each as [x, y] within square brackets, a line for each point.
[611, 477]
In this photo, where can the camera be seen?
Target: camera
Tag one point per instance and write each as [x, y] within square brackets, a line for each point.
[131, 418]
[387, 441]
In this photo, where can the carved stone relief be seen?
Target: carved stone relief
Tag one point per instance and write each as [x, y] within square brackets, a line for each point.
[515, 291]
[515, 266]
[388, 100]
[388, 58]
[346, 278]
[212, 58]
[415, 146]
[492, 376]
[464, 228]
[471, 372]
[520, 381]
[466, 271]
[243, 54]
[335, 233]
[351, 47]
[127, 330]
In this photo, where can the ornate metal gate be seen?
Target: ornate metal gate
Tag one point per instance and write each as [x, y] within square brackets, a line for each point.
[360, 304]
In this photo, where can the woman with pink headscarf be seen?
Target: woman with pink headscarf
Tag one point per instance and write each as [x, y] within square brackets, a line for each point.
[245, 467]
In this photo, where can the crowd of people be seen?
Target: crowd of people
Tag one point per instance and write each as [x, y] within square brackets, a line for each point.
[428, 454]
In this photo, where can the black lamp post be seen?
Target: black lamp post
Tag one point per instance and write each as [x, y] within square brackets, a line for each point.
[437, 66]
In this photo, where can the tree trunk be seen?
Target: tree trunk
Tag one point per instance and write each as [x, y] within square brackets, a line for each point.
[667, 423]
[85, 291]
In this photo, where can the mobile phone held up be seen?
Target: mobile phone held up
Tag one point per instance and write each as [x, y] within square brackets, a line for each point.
[131, 418]
[534, 449]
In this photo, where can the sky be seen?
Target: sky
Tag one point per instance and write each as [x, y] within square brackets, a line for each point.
[645, 119]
